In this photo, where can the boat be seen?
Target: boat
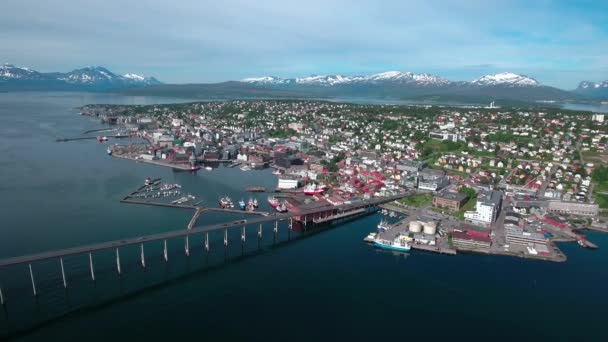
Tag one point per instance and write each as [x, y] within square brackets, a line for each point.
[282, 208]
[242, 205]
[245, 168]
[256, 189]
[383, 226]
[370, 237]
[208, 168]
[255, 203]
[109, 150]
[250, 205]
[398, 244]
[276, 172]
[148, 181]
[273, 201]
[226, 202]
[313, 189]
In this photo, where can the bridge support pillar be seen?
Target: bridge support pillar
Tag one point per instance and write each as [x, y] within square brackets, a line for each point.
[165, 254]
[143, 258]
[65, 283]
[276, 227]
[118, 261]
[91, 266]
[33, 282]
[187, 246]
[1, 297]
[207, 242]
[225, 237]
[243, 235]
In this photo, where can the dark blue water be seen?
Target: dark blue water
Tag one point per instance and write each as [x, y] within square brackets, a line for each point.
[329, 285]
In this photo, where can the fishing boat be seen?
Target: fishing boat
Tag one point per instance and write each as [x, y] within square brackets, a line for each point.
[242, 205]
[313, 189]
[282, 208]
[226, 202]
[273, 201]
[255, 202]
[109, 150]
[398, 244]
[250, 206]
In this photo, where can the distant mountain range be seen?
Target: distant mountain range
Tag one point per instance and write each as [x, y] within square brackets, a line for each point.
[505, 86]
[591, 89]
[391, 84]
[89, 78]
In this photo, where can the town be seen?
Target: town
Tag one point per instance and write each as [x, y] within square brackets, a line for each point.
[481, 179]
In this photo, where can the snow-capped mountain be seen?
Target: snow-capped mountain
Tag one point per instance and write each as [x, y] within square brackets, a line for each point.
[592, 85]
[506, 78]
[592, 89]
[89, 77]
[395, 77]
[10, 72]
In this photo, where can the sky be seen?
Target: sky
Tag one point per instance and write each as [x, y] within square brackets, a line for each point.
[559, 43]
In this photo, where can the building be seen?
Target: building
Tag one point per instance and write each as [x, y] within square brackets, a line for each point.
[598, 117]
[446, 136]
[432, 180]
[573, 208]
[517, 236]
[471, 239]
[449, 200]
[288, 183]
[411, 166]
[487, 209]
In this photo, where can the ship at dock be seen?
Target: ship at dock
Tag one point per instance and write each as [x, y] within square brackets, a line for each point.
[273, 201]
[226, 203]
[400, 243]
[313, 189]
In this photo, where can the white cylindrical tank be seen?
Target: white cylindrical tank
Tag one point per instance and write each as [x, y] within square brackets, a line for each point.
[430, 228]
[415, 227]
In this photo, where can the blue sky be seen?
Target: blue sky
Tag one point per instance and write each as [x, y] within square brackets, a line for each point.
[560, 43]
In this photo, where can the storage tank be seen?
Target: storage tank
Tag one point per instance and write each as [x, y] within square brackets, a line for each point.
[415, 227]
[430, 228]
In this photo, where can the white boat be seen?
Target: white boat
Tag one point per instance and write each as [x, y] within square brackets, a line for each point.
[383, 226]
[208, 168]
[313, 189]
[398, 244]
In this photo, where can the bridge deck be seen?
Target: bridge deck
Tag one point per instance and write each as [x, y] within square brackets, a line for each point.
[185, 232]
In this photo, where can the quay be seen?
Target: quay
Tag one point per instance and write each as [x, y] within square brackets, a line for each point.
[159, 204]
[175, 166]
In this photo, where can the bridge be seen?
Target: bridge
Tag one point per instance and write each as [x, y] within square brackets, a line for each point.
[321, 215]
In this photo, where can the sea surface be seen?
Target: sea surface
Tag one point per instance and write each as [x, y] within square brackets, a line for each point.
[327, 285]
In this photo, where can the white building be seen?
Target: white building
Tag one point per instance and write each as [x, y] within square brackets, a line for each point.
[598, 117]
[488, 207]
[288, 183]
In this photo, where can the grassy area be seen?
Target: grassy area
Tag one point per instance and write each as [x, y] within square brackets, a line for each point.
[419, 200]
[434, 147]
[601, 199]
[469, 206]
